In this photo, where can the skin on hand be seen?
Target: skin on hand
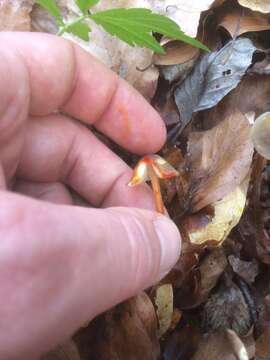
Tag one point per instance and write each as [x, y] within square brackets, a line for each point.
[61, 264]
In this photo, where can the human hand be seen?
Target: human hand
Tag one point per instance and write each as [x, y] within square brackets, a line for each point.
[61, 264]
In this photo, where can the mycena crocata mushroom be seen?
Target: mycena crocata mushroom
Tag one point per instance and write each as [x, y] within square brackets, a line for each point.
[152, 168]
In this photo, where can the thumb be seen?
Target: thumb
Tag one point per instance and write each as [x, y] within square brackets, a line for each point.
[62, 265]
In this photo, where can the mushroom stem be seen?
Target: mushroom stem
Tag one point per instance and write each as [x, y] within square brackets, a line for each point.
[157, 192]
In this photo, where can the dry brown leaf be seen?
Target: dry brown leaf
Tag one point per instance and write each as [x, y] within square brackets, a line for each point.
[263, 345]
[201, 280]
[247, 270]
[251, 98]
[67, 351]
[237, 20]
[129, 331]
[256, 5]
[218, 160]
[177, 52]
[252, 95]
[221, 345]
[226, 308]
[211, 268]
[15, 15]
[164, 304]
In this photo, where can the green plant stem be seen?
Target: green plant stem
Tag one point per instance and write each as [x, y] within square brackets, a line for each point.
[65, 27]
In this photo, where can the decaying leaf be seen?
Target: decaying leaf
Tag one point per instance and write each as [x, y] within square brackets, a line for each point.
[221, 345]
[263, 345]
[67, 351]
[164, 304]
[252, 95]
[256, 5]
[218, 160]
[129, 331]
[213, 77]
[200, 281]
[247, 270]
[226, 308]
[15, 15]
[211, 268]
[228, 212]
[238, 20]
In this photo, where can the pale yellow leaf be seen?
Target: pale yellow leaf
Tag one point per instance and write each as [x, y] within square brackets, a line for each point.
[228, 212]
[164, 304]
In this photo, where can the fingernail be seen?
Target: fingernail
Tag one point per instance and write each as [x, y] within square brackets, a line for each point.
[170, 243]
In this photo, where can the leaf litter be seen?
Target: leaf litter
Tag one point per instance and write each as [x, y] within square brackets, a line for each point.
[215, 303]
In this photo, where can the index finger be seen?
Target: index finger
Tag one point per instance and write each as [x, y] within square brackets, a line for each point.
[65, 77]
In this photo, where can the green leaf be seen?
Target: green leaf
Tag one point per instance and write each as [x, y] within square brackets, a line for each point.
[79, 29]
[85, 5]
[135, 26]
[52, 8]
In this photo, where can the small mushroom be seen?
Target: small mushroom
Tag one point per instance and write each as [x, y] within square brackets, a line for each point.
[260, 135]
[152, 168]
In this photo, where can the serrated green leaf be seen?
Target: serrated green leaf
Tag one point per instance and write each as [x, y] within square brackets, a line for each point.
[52, 8]
[79, 29]
[85, 5]
[135, 26]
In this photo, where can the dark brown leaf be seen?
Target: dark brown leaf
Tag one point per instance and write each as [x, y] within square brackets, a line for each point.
[129, 331]
[226, 308]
